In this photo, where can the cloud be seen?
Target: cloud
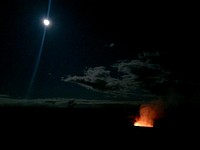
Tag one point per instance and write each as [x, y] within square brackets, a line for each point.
[99, 79]
[110, 45]
[126, 84]
[129, 67]
[96, 78]
[129, 77]
[145, 70]
[148, 55]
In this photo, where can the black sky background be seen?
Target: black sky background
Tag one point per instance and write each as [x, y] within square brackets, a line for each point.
[91, 33]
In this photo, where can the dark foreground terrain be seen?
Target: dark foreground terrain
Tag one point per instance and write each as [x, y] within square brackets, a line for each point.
[90, 123]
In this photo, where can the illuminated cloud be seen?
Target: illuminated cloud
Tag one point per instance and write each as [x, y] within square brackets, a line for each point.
[131, 78]
[128, 78]
[100, 80]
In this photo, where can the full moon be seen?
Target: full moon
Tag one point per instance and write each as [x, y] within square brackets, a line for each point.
[46, 22]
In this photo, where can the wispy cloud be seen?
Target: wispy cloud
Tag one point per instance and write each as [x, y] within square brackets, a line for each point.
[148, 54]
[129, 67]
[99, 79]
[128, 80]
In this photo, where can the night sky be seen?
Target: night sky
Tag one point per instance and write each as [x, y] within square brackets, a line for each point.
[96, 49]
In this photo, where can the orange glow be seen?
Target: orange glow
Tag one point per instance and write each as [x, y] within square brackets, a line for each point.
[143, 122]
[148, 113]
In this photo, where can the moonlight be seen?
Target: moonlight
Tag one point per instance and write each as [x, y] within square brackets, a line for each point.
[46, 22]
